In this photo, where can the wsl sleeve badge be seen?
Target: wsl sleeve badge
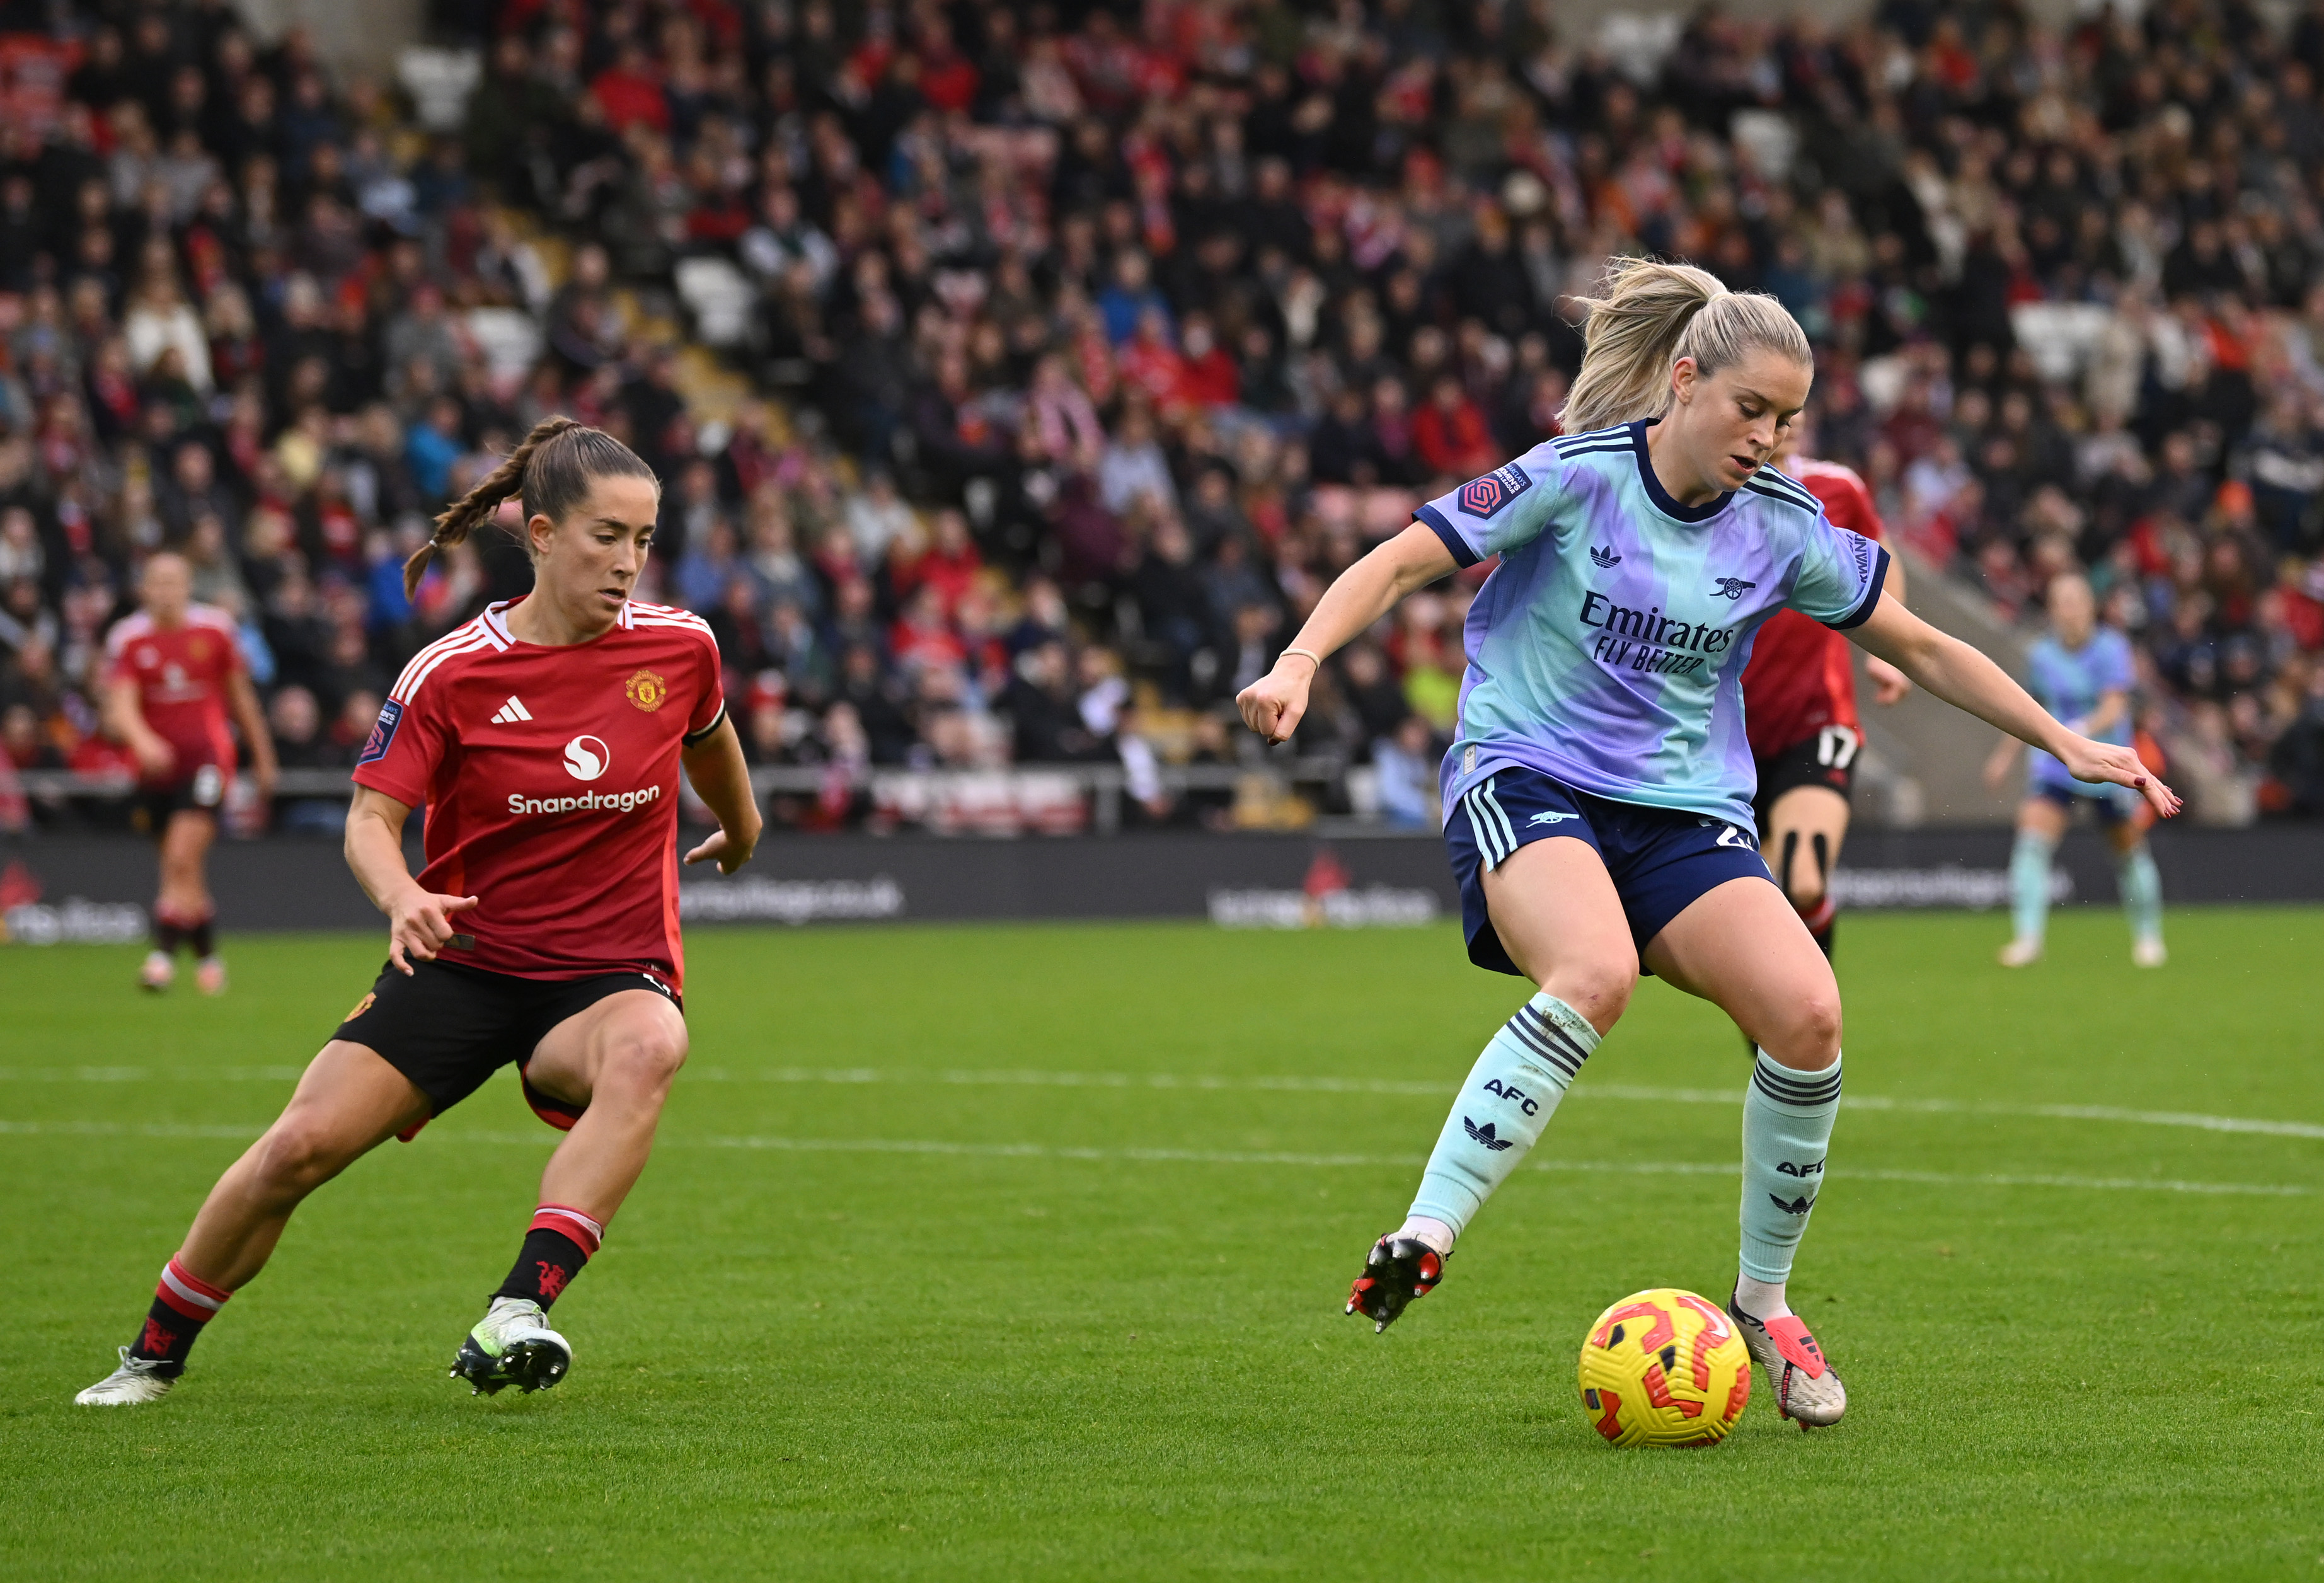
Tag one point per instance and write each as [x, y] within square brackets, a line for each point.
[1484, 497]
[383, 732]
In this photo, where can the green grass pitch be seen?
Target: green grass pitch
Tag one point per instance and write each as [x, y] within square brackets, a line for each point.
[1011, 1253]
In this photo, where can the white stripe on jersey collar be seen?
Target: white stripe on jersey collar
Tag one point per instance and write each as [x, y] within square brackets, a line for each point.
[495, 620]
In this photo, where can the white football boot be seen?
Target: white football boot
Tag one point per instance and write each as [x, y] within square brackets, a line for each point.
[2021, 954]
[158, 973]
[512, 1345]
[2148, 952]
[1803, 1380]
[137, 1380]
[209, 976]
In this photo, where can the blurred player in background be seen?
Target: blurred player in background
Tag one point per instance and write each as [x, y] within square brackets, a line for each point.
[1598, 791]
[175, 677]
[1799, 706]
[2082, 673]
[546, 739]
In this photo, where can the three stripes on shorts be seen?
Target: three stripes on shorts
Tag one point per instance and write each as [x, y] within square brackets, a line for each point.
[1497, 838]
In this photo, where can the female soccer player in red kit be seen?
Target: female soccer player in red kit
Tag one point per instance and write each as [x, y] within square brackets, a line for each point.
[1799, 709]
[545, 738]
[174, 674]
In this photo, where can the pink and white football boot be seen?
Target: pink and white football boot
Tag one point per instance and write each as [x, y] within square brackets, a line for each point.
[1805, 1387]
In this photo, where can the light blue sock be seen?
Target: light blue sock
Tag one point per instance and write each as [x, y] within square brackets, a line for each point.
[2141, 884]
[1787, 1119]
[1509, 1099]
[2029, 883]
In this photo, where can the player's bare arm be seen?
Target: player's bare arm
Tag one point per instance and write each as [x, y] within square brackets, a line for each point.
[419, 922]
[1971, 681]
[250, 717]
[1367, 590]
[125, 723]
[1998, 763]
[722, 778]
[1889, 685]
[2112, 707]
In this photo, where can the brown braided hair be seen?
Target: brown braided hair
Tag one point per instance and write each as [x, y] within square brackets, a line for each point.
[550, 472]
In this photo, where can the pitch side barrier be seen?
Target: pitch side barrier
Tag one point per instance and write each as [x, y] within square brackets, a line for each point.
[87, 888]
[1025, 799]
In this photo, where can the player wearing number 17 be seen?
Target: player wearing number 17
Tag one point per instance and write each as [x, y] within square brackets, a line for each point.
[1598, 792]
[1799, 700]
[545, 738]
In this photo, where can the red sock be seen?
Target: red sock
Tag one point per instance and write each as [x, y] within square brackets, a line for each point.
[183, 1303]
[169, 931]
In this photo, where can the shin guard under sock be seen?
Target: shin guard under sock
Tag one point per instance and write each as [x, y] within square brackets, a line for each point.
[182, 1304]
[1787, 1118]
[203, 937]
[2029, 883]
[557, 1243]
[1508, 1099]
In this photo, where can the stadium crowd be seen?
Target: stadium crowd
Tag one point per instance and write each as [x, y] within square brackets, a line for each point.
[1071, 351]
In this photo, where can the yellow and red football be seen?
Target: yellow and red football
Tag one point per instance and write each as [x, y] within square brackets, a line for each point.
[1664, 1367]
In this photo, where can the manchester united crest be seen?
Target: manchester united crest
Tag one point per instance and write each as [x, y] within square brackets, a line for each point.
[647, 690]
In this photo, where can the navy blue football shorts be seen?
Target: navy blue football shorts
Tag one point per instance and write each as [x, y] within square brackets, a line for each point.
[1660, 859]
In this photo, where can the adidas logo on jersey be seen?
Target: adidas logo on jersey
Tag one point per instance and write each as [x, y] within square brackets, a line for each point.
[511, 711]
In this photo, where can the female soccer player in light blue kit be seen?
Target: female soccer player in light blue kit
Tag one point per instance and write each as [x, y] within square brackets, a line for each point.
[2083, 673]
[1598, 790]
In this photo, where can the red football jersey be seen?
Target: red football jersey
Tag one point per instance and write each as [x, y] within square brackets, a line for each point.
[1801, 676]
[549, 777]
[181, 674]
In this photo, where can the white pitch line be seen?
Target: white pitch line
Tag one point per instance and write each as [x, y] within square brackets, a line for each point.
[121, 1129]
[1348, 1085]
[1200, 1082]
[870, 1146]
[150, 1074]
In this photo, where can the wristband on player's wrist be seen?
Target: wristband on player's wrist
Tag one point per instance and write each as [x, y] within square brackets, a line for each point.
[1309, 655]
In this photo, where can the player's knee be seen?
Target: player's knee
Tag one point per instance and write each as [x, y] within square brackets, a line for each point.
[298, 1156]
[645, 1058]
[1808, 1039]
[1803, 889]
[1600, 990]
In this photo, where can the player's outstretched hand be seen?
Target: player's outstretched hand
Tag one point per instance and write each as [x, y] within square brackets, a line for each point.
[2108, 763]
[419, 925]
[154, 756]
[728, 853]
[1272, 706]
[1889, 685]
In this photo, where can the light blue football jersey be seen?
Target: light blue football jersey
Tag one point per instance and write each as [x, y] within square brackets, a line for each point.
[2068, 683]
[1607, 650]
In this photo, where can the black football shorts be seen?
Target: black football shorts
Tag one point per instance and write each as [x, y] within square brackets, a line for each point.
[447, 1027]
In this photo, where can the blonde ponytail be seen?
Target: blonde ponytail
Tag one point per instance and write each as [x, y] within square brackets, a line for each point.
[550, 472]
[1654, 314]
